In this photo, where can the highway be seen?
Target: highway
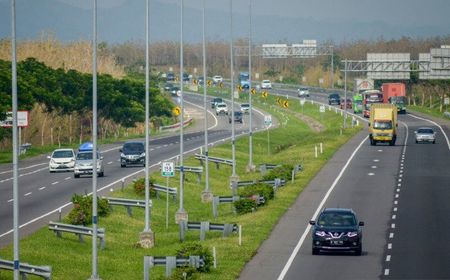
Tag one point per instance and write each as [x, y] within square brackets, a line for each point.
[400, 192]
[42, 194]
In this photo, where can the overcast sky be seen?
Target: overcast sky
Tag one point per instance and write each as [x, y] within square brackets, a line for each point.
[405, 12]
[275, 20]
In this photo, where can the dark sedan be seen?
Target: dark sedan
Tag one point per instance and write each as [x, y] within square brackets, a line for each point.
[337, 230]
[237, 117]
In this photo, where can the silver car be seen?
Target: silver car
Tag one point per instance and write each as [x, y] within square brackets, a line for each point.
[84, 164]
[425, 134]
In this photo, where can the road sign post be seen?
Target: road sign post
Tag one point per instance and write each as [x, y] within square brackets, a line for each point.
[167, 170]
[268, 123]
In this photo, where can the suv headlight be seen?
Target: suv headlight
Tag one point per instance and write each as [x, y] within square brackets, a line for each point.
[352, 233]
[142, 155]
[122, 155]
[320, 233]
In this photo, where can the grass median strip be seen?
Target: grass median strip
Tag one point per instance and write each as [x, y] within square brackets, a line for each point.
[292, 143]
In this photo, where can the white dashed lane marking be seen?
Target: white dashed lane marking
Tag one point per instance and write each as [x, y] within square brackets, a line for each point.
[386, 272]
[54, 183]
[27, 194]
[389, 246]
[42, 188]
[391, 235]
[67, 178]
[11, 200]
[388, 258]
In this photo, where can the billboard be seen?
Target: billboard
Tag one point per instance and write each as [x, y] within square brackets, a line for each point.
[392, 66]
[363, 84]
[437, 63]
[22, 119]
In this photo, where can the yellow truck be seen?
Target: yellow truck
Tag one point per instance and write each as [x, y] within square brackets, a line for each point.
[383, 123]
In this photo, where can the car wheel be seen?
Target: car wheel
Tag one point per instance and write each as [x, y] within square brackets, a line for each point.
[242, 122]
[434, 142]
[76, 175]
[417, 142]
[101, 174]
[372, 142]
[229, 121]
[123, 165]
[315, 251]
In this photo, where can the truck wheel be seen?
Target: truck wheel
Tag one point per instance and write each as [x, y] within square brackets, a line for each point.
[372, 142]
[76, 175]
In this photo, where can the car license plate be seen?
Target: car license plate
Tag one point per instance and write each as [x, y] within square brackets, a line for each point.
[336, 242]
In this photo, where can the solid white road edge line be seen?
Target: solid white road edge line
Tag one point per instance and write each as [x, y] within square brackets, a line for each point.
[436, 124]
[325, 198]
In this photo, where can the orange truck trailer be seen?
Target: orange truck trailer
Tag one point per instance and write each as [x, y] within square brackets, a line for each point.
[395, 93]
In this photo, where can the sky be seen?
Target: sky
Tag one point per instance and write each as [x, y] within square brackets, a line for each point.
[273, 20]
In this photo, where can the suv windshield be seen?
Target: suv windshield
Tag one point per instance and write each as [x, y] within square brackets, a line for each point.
[133, 148]
[336, 219]
[84, 156]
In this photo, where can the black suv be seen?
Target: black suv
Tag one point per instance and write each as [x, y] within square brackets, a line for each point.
[132, 153]
[237, 117]
[337, 229]
[334, 99]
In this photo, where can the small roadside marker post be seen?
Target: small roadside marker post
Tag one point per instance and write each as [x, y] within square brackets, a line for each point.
[167, 170]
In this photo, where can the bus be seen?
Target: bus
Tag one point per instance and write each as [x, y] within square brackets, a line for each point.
[370, 97]
[357, 103]
[244, 80]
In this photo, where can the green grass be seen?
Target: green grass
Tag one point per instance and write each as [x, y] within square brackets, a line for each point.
[429, 111]
[293, 142]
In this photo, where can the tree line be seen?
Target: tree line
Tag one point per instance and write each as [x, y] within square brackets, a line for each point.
[65, 100]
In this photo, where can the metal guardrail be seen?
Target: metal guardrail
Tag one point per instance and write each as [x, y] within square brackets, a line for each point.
[175, 126]
[128, 203]
[58, 228]
[275, 183]
[192, 169]
[206, 226]
[28, 269]
[165, 189]
[267, 166]
[171, 262]
[216, 160]
[217, 200]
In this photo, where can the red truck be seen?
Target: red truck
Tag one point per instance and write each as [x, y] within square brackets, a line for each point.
[395, 93]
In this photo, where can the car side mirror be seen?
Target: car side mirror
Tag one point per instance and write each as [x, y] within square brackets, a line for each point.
[312, 222]
[49, 157]
[120, 150]
[361, 224]
[415, 132]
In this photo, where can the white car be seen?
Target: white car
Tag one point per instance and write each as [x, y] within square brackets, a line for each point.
[266, 84]
[84, 164]
[62, 160]
[303, 92]
[217, 79]
[245, 108]
[221, 108]
[425, 134]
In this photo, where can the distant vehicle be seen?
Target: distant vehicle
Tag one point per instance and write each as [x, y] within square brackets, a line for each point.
[61, 160]
[201, 80]
[425, 134]
[244, 78]
[170, 76]
[383, 124]
[370, 97]
[84, 164]
[185, 77]
[357, 103]
[217, 79]
[349, 103]
[215, 101]
[221, 108]
[245, 108]
[266, 84]
[168, 87]
[334, 99]
[175, 91]
[337, 230]
[237, 117]
[303, 92]
[132, 153]
[395, 93]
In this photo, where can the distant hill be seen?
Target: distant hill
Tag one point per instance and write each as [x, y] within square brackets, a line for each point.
[126, 22]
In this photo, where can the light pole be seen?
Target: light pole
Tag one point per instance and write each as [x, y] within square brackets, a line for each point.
[181, 214]
[332, 67]
[15, 145]
[345, 96]
[250, 166]
[206, 194]
[234, 178]
[94, 275]
[146, 237]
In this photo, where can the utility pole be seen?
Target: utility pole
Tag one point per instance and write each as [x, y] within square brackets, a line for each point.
[250, 166]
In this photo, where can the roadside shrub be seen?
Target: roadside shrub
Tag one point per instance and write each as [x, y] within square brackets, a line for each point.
[281, 172]
[139, 186]
[261, 189]
[81, 213]
[191, 274]
[245, 205]
[196, 249]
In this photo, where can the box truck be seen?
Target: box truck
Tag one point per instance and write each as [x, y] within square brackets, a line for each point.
[383, 123]
[395, 93]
